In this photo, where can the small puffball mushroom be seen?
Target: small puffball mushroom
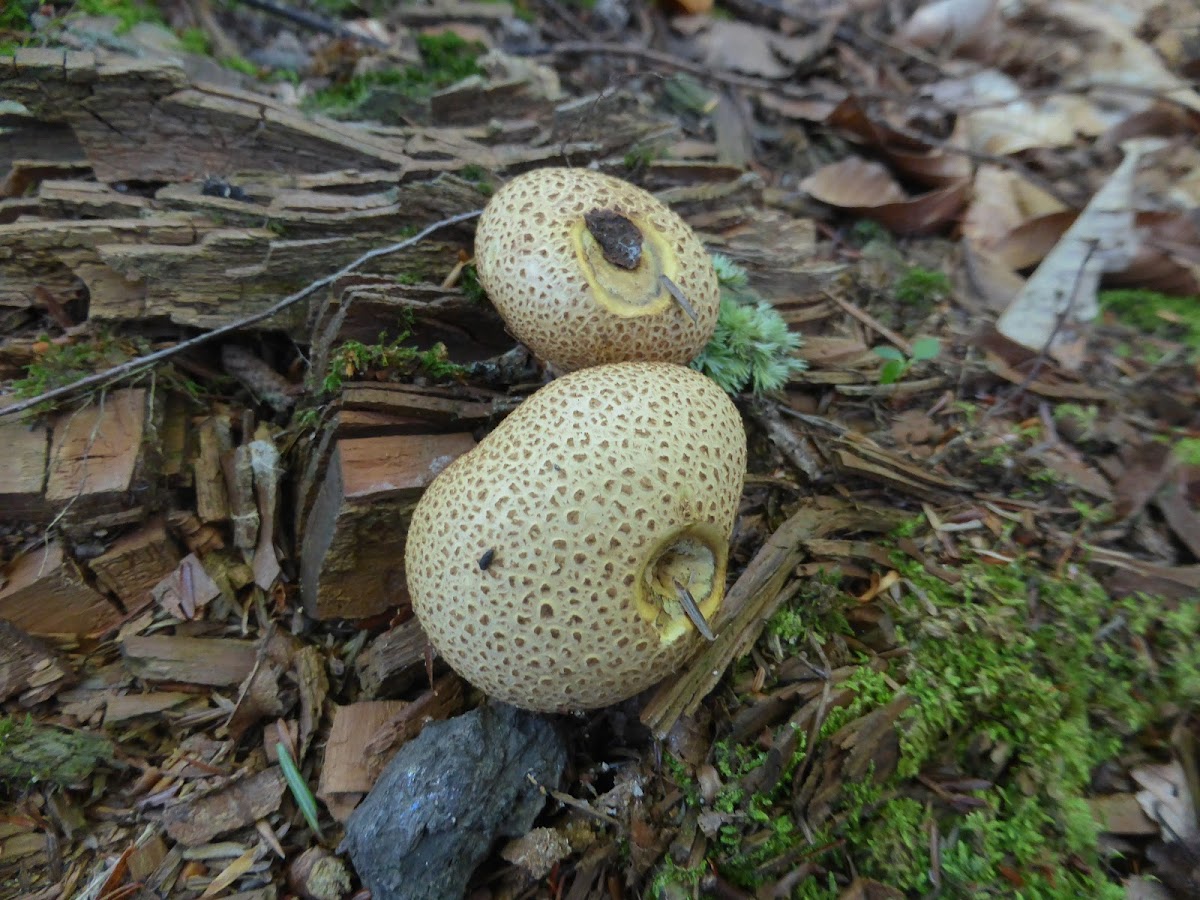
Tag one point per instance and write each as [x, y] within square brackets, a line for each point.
[552, 565]
[587, 269]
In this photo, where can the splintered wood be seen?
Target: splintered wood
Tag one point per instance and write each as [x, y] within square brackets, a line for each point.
[97, 465]
[167, 658]
[29, 667]
[238, 804]
[23, 477]
[47, 594]
[352, 557]
[90, 466]
[135, 563]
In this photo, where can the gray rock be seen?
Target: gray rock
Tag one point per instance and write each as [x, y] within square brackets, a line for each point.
[285, 51]
[447, 796]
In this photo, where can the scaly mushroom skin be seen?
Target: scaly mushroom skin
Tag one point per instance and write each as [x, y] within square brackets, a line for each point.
[587, 269]
[546, 565]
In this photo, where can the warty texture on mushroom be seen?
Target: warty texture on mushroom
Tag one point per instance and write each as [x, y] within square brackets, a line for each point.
[588, 269]
[603, 507]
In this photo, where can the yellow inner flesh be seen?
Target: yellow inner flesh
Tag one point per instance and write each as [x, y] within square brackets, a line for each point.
[628, 292]
[694, 558]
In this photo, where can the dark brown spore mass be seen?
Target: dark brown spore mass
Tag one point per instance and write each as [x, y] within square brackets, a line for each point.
[619, 239]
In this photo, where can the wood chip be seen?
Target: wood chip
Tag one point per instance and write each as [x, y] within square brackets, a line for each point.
[135, 563]
[212, 661]
[237, 805]
[28, 665]
[129, 706]
[46, 594]
[186, 591]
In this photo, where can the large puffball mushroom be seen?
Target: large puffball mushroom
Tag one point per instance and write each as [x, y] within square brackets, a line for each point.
[553, 565]
[587, 269]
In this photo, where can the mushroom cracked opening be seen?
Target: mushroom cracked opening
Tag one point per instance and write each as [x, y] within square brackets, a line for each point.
[693, 558]
[628, 292]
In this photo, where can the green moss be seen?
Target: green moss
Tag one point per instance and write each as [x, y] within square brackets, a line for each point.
[63, 364]
[922, 287]
[752, 345]
[1039, 699]
[892, 838]
[354, 358]
[1187, 450]
[195, 40]
[1162, 315]
[446, 58]
[1083, 418]
[871, 690]
[15, 15]
[674, 882]
[815, 613]
[31, 753]
[239, 64]
[478, 175]
[866, 231]
[640, 156]
[683, 779]
[128, 12]
[470, 285]
[1020, 679]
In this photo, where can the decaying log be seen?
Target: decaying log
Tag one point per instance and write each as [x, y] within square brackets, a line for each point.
[378, 409]
[184, 268]
[46, 594]
[352, 550]
[29, 667]
[58, 255]
[142, 120]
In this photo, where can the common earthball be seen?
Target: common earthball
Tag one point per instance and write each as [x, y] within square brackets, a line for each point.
[553, 565]
[588, 269]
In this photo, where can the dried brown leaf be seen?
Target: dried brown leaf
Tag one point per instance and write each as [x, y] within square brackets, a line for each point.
[854, 183]
[949, 24]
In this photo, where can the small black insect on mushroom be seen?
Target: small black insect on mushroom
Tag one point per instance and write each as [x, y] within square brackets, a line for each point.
[486, 560]
[619, 239]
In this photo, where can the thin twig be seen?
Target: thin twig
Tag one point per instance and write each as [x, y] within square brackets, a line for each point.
[871, 322]
[134, 366]
[797, 449]
[314, 22]
[658, 57]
